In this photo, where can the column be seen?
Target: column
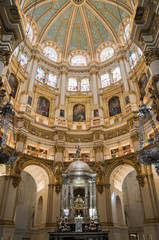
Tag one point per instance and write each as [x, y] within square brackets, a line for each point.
[95, 198]
[124, 75]
[49, 215]
[33, 74]
[71, 198]
[91, 198]
[4, 59]
[63, 87]
[149, 202]
[8, 196]
[86, 199]
[108, 205]
[94, 86]
[67, 192]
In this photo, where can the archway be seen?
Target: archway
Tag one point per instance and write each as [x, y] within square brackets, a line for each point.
[126, 201]
[31, 207]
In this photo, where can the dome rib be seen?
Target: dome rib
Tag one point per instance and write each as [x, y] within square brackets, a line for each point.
[87, 31]
[70, 29]
[121, 5]
[53, 20]
[103, 21]
[31, 6]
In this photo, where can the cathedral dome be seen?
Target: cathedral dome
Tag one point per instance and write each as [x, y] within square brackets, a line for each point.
[79, 166]
[73, 25]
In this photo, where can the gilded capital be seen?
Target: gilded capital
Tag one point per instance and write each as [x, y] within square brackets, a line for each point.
[4, 56]
[151, 55]
[59, 148]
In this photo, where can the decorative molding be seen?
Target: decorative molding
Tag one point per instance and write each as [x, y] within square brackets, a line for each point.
[16, 180]
[151, 55]
[4, 56]
[141, 179]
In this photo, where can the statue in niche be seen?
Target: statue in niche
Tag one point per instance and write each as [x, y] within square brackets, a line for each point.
[114, 106]
[13, 82]
[79, 113]
[43, 107]
[79, 205]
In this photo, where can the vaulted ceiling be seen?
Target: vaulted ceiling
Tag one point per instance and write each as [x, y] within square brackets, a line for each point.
[78, 24]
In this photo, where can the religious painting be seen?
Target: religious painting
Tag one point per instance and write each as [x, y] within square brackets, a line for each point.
[142, 85]
[126, 149]
[114, 106]
[115, 152]
[127, 101]
[43, 107]
[13, 82]
[79, 113]
[62, 112]
[29, 100]
[96, 113]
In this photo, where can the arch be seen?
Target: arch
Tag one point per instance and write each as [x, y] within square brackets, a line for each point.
[13, 82]
[21, 165]
[132, 163]
[106, 53]
[114, 106]
[79, 113]
[43, 106]
[79, 60]
[50, 53]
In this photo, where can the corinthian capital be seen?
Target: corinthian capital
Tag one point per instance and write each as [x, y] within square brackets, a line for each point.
[4, 56]
[151, 55]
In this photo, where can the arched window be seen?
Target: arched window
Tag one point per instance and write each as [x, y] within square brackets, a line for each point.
[40, 74]
[23, 60]
[116, 74]
[85, 85]
[72, 84]
[43, 107]
[133, 59]
[106, 54]
[13, 82]
[105, 80]
[29, 31]
[126, 32]
[79, 113]
[79, 60]
[16, 50]
[114, 106]
[50, 53]
[142, 85]
[52, 80]
[139, 51]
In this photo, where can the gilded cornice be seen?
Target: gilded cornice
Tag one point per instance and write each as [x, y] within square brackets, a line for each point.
[116, 132]
[151, 55]
[4, 57]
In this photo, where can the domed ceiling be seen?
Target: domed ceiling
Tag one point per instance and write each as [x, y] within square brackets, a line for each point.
[78, 24]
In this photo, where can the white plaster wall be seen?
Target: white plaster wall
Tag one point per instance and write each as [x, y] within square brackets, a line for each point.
[25, 206]
[132, 202]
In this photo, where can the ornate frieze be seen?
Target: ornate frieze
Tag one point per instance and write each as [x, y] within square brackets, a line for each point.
[4, 56]
[116, 132]
[83, 138]
[151, 55]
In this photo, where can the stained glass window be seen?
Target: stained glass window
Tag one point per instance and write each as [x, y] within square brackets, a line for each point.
[23, 60]
[29, 31]
[16, 51]
[133, 59]
[40, 75]
[116, 74]
[72, 84]
[106, 54]
[50, 53]
[52, 80]
[79, 60]
[85, 85]
[105, 80]
[126, 33]
[139, 52]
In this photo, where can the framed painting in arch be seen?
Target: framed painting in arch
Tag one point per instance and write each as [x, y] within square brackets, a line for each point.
[79, 113]
[43, 107]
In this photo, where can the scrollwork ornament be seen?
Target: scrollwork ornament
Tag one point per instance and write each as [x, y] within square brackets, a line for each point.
[4, 57]
[151, 55]
[141, 179]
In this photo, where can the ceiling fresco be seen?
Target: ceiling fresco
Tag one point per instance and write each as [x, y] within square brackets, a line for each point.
[74, 25]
